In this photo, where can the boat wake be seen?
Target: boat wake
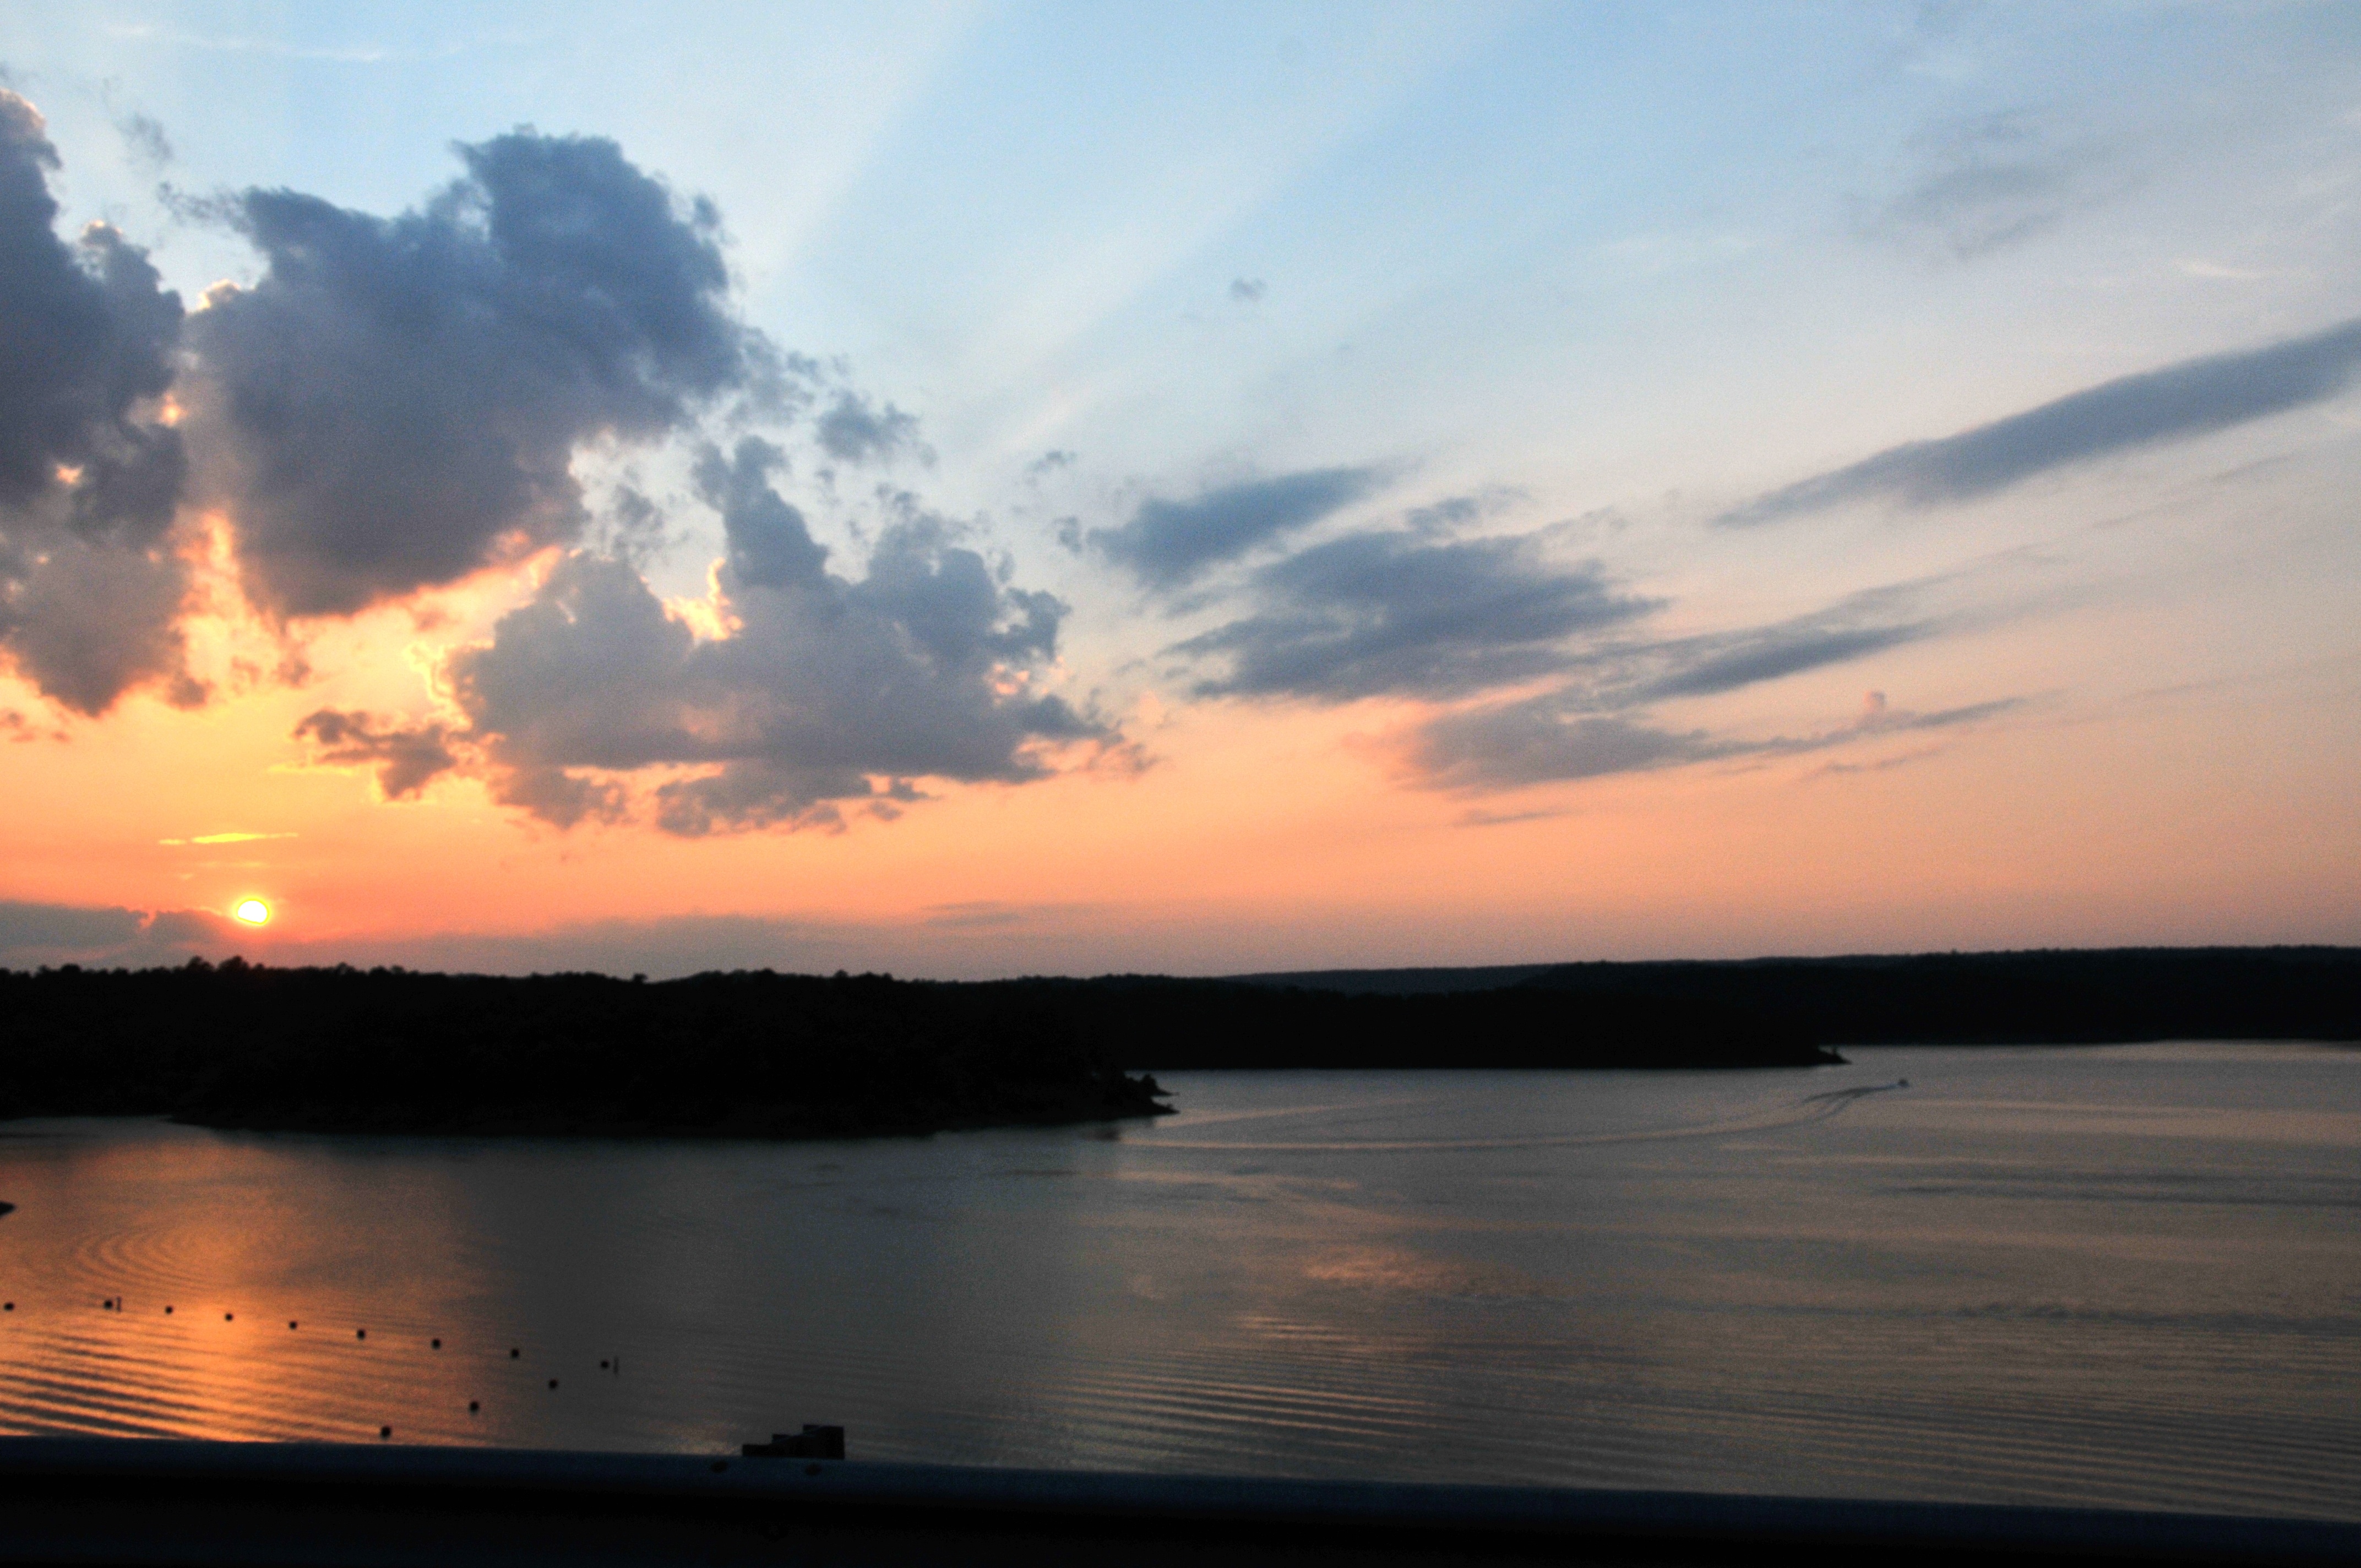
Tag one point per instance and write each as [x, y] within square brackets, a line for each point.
[1767, 1119]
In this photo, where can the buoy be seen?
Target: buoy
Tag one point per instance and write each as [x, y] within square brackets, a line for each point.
[7, 1307]
[228, 1316]
[384, 1431]
[514, 1353]
[602, 1366]
[291, 1322]
[168, 1312]
[435, 1343]
[361, 1334]
[473, 1406]
[553, 1382]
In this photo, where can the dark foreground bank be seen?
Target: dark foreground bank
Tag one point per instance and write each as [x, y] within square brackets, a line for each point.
[156, 1503]
[757, 1054]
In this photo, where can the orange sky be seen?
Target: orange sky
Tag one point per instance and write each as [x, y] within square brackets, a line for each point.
[1480, 503]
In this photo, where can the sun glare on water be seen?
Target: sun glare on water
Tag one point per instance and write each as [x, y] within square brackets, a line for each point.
[254, 912]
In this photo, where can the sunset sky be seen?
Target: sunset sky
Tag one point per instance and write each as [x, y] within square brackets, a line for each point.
[979, 489]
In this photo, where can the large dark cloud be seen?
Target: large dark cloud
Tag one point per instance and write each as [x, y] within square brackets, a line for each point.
[827, 690]
[2194, 398]
[90, 474]
[1167, 544]
[398, 401]
[1393, 612]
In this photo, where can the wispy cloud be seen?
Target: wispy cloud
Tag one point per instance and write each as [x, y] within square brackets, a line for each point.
[224, 839]
[1545, 740]
[2194, 398]
[279, 49]
[1167, 544]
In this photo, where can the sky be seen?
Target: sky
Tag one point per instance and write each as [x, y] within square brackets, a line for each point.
[979, 489]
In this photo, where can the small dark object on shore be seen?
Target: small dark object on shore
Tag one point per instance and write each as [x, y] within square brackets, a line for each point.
[7, 1306]
[434, 1343]
[168, 1312]
[474, 1405]
[291, 1322]
[361, 1334]
[815, 1441]
[229, 1317]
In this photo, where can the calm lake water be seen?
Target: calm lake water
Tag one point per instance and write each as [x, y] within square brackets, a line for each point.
[2127, 1276]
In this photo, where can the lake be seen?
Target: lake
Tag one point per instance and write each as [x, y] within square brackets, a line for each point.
[2123, 1275]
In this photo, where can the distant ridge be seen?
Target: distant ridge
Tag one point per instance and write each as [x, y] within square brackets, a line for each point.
[2062, 995]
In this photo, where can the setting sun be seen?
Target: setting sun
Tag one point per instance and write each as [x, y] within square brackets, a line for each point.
[254, 912]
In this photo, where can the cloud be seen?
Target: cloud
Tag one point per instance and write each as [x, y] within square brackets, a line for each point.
[853, 431]
[406, 759]
[1396, 613]
[1984, 183]
[826, 690]
[397, 402]
[64, 927]
[1632, 675]
[145, 139]
[1548, 739]
[34, 934]
[210, 839]
[770, 547]
[1166, 543]
[2179, 401]
[1392, 612]
[1537, 741]
[90, 474]
[1247, 291]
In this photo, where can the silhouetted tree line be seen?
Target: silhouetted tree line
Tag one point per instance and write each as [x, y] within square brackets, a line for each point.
[2057, 997]
[764, 1055]
[2038, 997]
[386, 1050]
[757, 1054]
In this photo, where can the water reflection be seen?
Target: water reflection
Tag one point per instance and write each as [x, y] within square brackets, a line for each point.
[2117, 1277]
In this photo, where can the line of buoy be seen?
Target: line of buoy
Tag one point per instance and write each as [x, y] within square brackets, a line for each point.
[474, 1407]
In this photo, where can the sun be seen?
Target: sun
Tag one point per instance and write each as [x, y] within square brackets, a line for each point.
[253, 911]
